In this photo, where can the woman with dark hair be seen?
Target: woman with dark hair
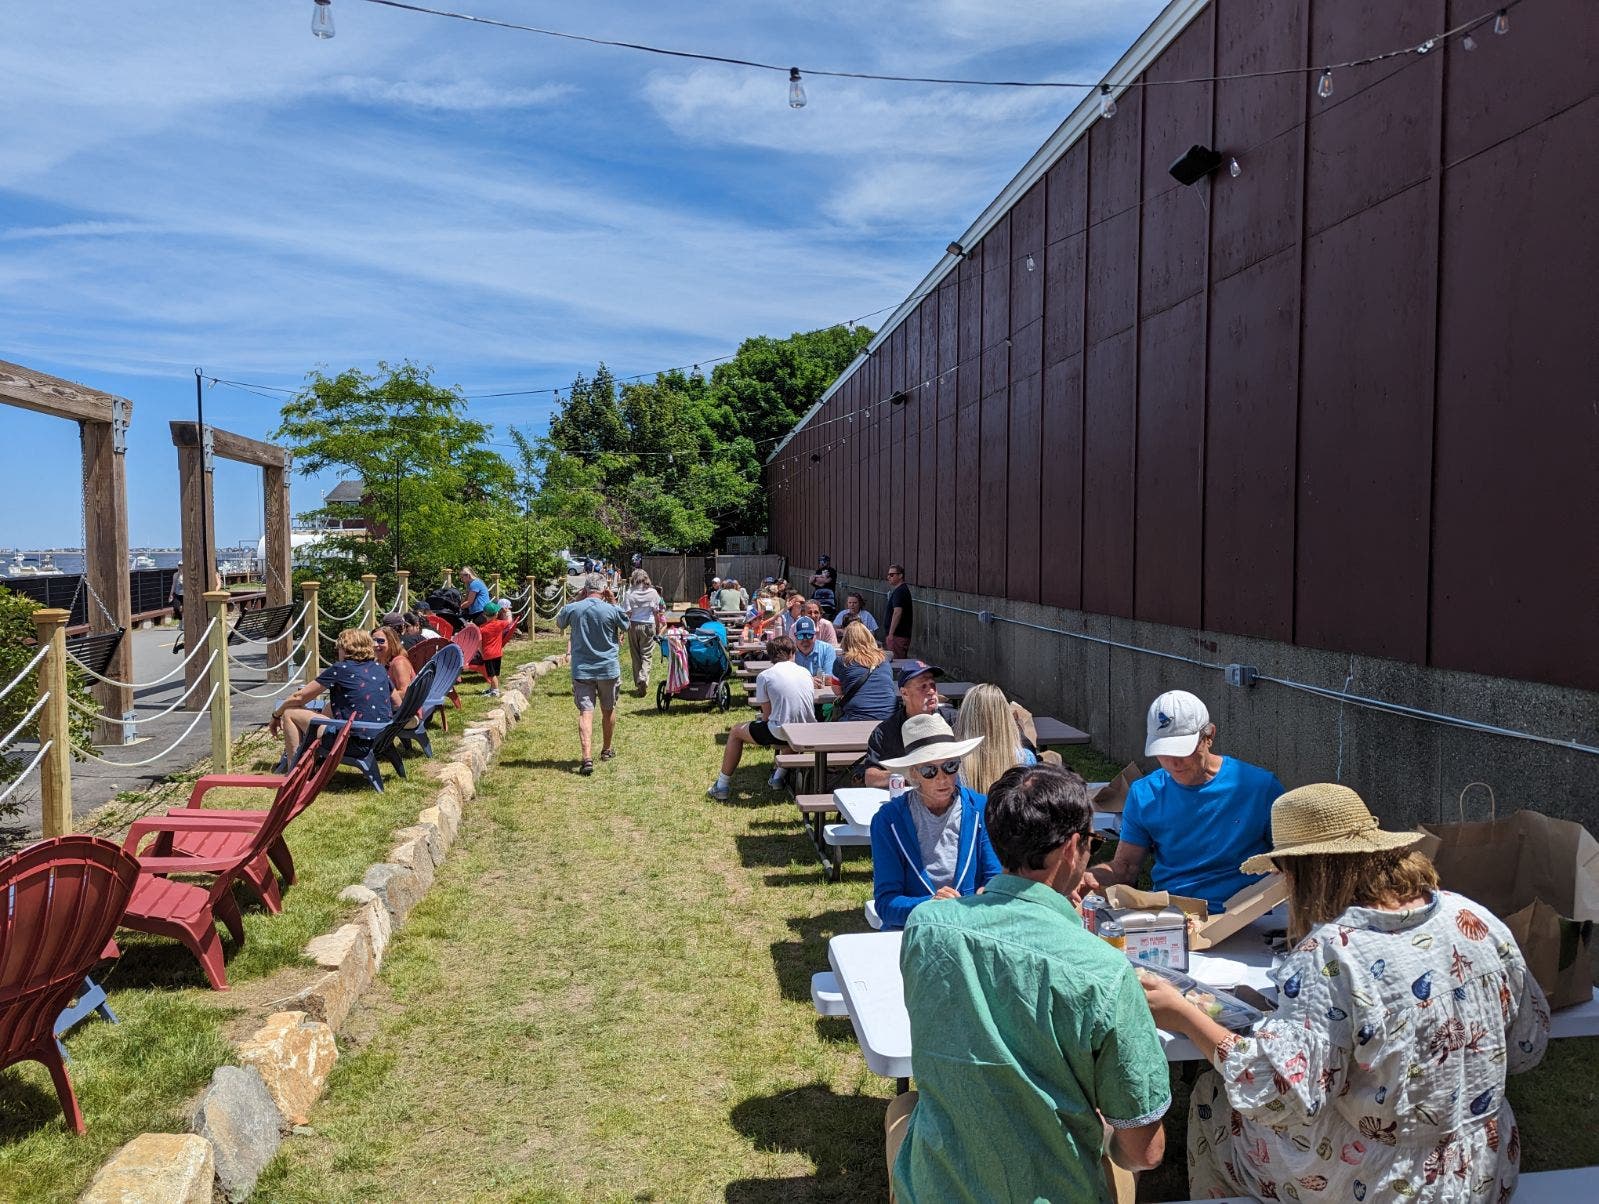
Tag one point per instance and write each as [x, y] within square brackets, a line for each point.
[1401, 1010]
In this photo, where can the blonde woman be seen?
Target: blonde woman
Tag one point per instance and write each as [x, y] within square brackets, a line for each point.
[1401, 1010]
[985, 712]
[356, 684]
[865, 677]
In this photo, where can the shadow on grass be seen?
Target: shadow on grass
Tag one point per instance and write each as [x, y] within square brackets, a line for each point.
[29, 1104]
[796, 959]
[779, 850]
[841, 1134]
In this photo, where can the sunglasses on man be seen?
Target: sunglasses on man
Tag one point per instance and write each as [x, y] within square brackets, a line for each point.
[1095, 840]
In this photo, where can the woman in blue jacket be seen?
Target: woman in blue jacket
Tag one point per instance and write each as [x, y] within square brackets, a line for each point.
[930, 843]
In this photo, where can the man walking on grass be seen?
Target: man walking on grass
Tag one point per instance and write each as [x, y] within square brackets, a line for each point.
[594, 630]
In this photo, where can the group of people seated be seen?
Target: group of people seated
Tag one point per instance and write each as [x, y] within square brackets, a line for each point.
[1380, 1075]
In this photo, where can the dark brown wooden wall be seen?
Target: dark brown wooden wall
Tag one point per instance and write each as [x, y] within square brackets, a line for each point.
[1347, 400]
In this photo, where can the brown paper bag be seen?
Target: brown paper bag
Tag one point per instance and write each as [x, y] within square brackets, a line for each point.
[1539, 875]
[1112, 795]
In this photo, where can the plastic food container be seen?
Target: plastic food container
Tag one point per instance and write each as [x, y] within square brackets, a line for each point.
[1225, 1009]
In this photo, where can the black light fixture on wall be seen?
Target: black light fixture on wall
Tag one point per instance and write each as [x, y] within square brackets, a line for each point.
[1195, 164]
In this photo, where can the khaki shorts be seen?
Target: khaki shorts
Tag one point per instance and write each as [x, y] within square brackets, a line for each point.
[586, 693]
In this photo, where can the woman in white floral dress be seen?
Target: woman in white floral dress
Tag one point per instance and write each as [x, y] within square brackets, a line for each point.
[1381, 1075]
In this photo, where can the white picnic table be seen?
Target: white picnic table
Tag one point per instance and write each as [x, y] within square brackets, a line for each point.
[858, 804]
[866, 967]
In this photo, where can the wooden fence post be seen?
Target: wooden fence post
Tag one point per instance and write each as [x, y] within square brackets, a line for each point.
[216, 609]
[55, 770]
[449, 577]
[313, 642]
[405, 589]
[370, 606]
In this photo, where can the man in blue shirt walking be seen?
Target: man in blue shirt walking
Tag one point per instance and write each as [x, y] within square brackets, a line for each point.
[1202, 815]
[595, 628]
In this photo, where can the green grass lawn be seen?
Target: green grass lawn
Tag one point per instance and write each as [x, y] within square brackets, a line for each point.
[144, 1073]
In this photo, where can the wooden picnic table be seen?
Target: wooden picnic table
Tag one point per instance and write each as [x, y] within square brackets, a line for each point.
[820, 696]
[820, 739]
[752, 669]
[955, 690]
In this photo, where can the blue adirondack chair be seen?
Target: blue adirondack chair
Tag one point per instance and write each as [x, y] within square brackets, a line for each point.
[92, 999]
[370, 741]
[446, 665]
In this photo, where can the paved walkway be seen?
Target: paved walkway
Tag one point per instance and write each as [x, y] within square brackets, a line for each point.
[94, 783]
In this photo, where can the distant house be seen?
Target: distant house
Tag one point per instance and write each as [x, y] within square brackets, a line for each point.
[344, 504]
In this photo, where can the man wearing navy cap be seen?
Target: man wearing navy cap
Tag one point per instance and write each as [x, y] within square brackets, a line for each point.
[815, 657]
[918, 695]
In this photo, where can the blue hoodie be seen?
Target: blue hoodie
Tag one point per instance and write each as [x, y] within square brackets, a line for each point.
[899, 880]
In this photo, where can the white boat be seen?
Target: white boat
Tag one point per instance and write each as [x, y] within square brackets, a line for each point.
[142, 561]
[21, 566]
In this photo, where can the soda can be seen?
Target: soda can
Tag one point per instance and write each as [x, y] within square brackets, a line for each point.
[896, 785]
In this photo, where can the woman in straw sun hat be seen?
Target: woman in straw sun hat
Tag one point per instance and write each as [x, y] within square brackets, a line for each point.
[1402, 1007]
[930, 843]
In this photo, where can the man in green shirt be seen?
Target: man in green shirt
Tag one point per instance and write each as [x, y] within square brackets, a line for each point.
[1032, 1040]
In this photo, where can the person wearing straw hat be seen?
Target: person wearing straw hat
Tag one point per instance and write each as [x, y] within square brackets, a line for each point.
[1200, 813]
[1033, 1050]
[1401, 1009]
[929, 843]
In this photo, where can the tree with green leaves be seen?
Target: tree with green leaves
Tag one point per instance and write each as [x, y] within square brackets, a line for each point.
[17, 648]
[435, 493]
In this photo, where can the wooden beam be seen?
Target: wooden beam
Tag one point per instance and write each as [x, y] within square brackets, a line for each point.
[199, 562]
[231, 446]
[275, 495]
[51, 395]
[105, 564]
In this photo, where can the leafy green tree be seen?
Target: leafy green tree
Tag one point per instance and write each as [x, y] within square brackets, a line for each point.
[436, 494]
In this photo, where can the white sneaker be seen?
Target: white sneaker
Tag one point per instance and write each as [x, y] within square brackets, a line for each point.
[719, 793]
[779, 776]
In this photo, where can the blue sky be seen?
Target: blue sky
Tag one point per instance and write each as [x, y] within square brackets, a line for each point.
[199, 184]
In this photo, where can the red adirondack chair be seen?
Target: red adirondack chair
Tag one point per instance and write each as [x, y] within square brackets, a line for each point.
[189, 913]
[470, 641]
[59, 904]
[234, 830]
[420, 654]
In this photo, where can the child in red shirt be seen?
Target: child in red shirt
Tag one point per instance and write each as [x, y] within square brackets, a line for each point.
[494, 629]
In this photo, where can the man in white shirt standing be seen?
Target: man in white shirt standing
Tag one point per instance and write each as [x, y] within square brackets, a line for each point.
[785, 694]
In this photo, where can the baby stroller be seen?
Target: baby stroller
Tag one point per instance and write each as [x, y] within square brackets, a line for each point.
[446, 603]
[696, 663]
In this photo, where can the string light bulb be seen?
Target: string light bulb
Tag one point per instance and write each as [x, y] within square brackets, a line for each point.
[1324, 85]
[796, 89]
[1030, 263]
[1234, 168]
[1107, 102]
[1468, 43]
[1426, 46]
[322, 18]
[1502, 22]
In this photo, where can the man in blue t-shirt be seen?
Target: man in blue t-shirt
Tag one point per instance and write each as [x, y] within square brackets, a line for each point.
[814, 656]
[1202, 815]
[594, 630]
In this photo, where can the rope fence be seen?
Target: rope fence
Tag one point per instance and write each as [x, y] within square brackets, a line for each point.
[22, 777]
[271, 639]
[298, 644]
[38, 659]
[202, 713]
[178, 668]
[5, 740]
[85, 709]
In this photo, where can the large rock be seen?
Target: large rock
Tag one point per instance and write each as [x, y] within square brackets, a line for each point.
[461, 778]
[427, 835]
[237, 1116]
[514, 703]
[396, 885]
[295, 1055]
[348, 956]
[473, 754]
[156, 1168]
[445, 815]
[414, 855]
[374, 915]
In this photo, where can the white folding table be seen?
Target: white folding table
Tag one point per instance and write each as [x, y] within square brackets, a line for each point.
[858, 804]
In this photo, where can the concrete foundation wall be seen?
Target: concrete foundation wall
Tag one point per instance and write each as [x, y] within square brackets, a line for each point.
[1409, 771]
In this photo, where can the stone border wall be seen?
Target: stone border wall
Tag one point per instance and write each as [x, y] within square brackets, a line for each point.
[283, 1067]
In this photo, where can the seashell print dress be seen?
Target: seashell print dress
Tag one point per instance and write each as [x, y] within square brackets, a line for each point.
[1381, 1076]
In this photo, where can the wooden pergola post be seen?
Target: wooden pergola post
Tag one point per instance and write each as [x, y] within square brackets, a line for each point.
[196, 455]
[279, 557]
[55, 770]
[102, 420]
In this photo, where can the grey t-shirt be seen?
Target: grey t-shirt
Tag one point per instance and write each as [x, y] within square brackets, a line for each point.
[595, 624]
[939, 837]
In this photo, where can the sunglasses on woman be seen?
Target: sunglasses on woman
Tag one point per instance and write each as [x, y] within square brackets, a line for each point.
[931, 771]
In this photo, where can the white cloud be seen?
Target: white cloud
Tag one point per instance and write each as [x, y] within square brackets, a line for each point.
[453, 96]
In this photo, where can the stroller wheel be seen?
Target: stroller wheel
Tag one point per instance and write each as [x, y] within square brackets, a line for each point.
[662, 698]
[724, 697]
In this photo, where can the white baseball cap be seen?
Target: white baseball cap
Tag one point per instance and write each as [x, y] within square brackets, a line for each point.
[716, 581]
[1176, 720]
